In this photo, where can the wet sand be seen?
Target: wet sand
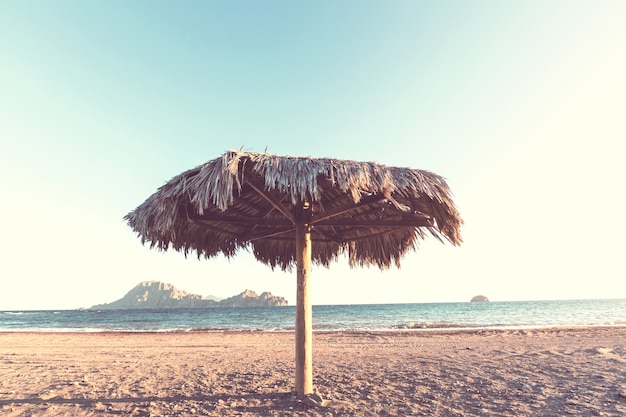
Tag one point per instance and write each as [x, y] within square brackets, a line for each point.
[546, 372]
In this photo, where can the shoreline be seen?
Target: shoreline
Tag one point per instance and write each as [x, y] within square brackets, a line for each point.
[535, 372]
[503, 329]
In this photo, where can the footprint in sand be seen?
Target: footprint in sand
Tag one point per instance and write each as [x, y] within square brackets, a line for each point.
[608, 353]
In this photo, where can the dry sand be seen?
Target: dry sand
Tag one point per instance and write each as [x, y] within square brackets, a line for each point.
[548, 372]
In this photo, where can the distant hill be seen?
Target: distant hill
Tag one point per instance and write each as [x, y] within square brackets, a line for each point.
[156, 294]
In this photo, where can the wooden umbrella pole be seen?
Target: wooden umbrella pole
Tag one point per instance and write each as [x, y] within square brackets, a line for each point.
[304, 312]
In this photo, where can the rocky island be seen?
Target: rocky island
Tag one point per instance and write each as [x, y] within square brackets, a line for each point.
[156, 294]
[479, 299]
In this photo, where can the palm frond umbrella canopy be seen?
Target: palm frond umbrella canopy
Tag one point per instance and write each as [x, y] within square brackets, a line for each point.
[294, 211]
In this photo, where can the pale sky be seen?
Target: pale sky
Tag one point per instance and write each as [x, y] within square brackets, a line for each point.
[520, 105]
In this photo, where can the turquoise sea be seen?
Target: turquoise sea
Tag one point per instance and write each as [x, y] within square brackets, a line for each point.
[370, 317]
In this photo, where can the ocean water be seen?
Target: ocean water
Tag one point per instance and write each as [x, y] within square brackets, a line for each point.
[371, 317]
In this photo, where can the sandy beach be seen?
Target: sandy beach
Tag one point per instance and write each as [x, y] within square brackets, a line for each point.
[547, 372]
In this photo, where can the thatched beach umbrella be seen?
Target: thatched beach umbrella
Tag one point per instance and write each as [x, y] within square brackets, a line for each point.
[291, 211]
